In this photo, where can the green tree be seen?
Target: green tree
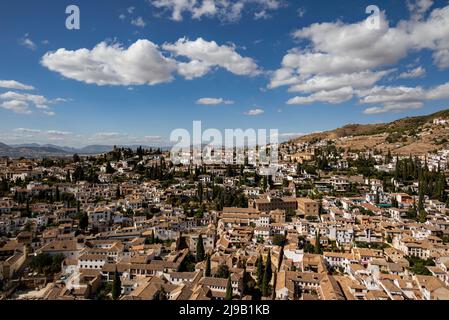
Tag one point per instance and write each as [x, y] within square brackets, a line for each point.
[47, 264]
[117, 192]
[318, 249]
[84, 221]
[76, 158]
[199, 249]
[58, 196]
[152, 239]
[207, 272]
[116, 286]
[260, 270]
[279, 240]
[200, 192]
[228, 295]
[109, 168]
[162, 294]
[267, 276]
[223, 271]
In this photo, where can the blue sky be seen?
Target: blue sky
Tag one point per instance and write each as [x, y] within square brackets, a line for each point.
[297, 66]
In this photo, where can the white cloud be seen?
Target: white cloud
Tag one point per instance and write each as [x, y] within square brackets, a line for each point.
[122, 17]
[20, 102]
[205, 55]
[393, 107]
[27, 42]
[111, 64]
[414, 73]
[392, 94]
[131, 10]
[153, 138]
[193, 69]
[42, 135]
[401, 98]
[213, 101]
[439, 92]
[225, 10]
[12, 84]
[144, 63]
[301, 12]
[254, 112]
[262, 15]
[418, 8]
[138, 22]
[333, 96]
[28, 131]
[359, 80]
[16, 106]
[339, 60]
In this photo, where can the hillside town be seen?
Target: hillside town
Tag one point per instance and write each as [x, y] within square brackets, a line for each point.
[328, 224]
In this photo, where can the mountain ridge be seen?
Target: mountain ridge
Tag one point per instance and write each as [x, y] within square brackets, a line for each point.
[415, 134]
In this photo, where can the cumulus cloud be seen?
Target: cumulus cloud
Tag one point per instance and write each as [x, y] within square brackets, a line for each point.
[43, 134]
[138, 22]
[205, 55]
[143, 62]
[262, 15]
[301, 12]
[12, 84]
[357, 80]
[16, 106]
[213, 101]
[328, 96]
[225, 10]
[21, 102]
[339, 60]
[418, 8]
[112, 64]
[414, 73]
[208, 54]
[393, 107]
[152, 138]
[27, 42]
[254, 112]
[401, 98]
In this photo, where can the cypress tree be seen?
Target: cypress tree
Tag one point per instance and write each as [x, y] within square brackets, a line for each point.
[200, 192]
[116, 286]
[117, 192]
[207, 272]
[199, 249]
[260, 269]
[84, 221]
[229, 289]
[267, 276]
[317, 243]
[152, 237]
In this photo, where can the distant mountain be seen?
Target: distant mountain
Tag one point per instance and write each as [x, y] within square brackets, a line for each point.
[34, 150]
[4, 147]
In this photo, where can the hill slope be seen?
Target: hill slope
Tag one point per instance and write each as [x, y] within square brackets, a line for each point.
[415, 135]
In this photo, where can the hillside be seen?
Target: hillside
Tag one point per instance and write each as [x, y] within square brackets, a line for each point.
[416, 135]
